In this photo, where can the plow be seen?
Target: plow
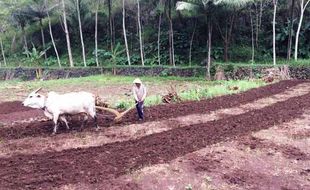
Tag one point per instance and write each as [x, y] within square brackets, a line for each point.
[118, 115]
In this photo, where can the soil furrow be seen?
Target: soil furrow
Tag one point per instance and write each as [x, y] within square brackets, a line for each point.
[155, 113]
[95, 164]
[134, 131]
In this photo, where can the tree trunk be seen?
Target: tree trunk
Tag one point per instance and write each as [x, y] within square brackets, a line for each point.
[25, 40]
[52, 36]
[259, 23]
[13, 44]
[110, 23]
[113, 31]
[208, 74]
[140, 34]
[96, 33]
[191, 43]
[252, 37]
[158, 39]
[275, 3]
[67, 33]
[302, 11]
[227, 36]
[125, 35]
[2, 50]
[290, 37]
[81, 31]
[43, 39]
[225, 50]
[171, 41]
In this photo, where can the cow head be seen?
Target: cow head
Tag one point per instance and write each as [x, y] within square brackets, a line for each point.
[35, 100]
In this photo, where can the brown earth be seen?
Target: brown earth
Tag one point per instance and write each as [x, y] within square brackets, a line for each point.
[11, 107]
[35, 129]
[95, 164]
[76, 139]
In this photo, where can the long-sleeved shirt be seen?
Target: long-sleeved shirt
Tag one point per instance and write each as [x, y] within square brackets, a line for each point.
[139, 93]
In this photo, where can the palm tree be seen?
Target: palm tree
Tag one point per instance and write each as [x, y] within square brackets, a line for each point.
[110, 23]
[124, 31]
[303, 5]
[2, 51]
[67, 33]
[140, 34]
[160, 5]
[291, 23]
[205, 9]
[22, 17]
[171, 38]
[96, 31]
[51, 33]
[81, 31]
[38, 10]
[275, 5]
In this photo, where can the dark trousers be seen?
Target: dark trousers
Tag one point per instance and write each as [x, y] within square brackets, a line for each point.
[139, 107]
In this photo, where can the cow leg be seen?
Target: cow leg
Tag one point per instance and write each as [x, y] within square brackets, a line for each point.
[63, 119]
[55, 119]
[96, 122]
[85, 118]
[93, 114]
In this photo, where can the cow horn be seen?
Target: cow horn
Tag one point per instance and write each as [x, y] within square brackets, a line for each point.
[36, 91]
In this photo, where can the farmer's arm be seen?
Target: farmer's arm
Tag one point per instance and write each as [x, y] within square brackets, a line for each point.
[144, 95]
[135, 94]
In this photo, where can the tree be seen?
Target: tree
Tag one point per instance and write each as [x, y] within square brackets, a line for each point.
[191, 43]
[171, 38]
[22, 18]
[291, 24]
[2, 52]
[303, 5]
[110, 23]
[38, 11]
[96, 31]
[81, 31]
[67, 33]
[140, 34]
[207, 8]
[160, 10]
[124, 31]
[275, 5]
[51, 34]
[252, 37]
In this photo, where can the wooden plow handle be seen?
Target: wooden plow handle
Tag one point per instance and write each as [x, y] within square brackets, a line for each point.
[118, 115]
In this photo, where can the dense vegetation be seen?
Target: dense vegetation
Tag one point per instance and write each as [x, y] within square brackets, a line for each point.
[152, 32]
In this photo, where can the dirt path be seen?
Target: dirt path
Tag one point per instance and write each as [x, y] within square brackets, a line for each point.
[95, 164]
[135, 131]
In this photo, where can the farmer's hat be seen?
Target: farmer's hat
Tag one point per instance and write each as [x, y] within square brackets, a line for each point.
[137, 81]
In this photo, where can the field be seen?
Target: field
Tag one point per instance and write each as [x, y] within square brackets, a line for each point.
[257, 139]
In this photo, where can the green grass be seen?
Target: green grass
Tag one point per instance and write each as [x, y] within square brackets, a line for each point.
[201, 89]
[98, 80]
[206, 91]
[223, 88]
[299, 62]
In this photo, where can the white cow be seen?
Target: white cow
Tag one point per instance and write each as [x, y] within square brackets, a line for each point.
[56, 106]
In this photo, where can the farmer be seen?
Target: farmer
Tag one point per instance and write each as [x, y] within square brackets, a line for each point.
[139, 93]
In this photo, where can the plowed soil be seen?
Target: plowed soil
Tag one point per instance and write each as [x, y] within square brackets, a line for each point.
[35, 129]
[95, 165]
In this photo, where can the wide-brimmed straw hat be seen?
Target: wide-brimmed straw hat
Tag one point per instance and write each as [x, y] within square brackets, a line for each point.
[137, 81]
